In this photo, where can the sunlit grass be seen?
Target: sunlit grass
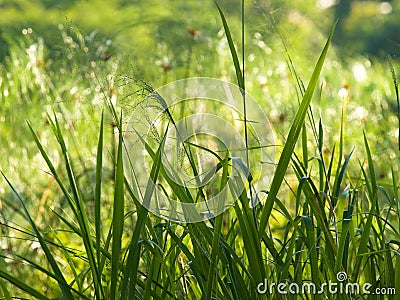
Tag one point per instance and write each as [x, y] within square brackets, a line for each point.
[69, 218]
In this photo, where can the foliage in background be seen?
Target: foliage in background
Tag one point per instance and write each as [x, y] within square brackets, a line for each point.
[70, 221]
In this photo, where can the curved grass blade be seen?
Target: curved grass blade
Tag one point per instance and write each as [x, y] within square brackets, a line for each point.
[235, 59]
[65, 288]
[22, 286]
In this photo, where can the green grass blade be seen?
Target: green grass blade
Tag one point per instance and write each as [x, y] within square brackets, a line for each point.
[217, 232]
[65, 288]
[304, 146]
[80, 212]
[232, 49]
[312, 250]
[338, 178]
[6, 293]
[372, 176]
[293, 135]
[97, 192]
[117, 218]
[132, 262]
[21, 285]
[370, 181]
[396, 89]
[341, 176]
[251, 239]
[344, 235]
[397, 274]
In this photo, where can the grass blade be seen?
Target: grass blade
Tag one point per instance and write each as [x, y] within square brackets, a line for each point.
[79, 209]
[21, 285]
[396, 88]
[117, 218]
[97, 192]
[370, 182]
[5, 291]
[132, 262]
[235, 59]
[217, 233]
[292, 137]
[65, 288]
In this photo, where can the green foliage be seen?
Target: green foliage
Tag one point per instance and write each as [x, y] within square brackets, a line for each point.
[71, 220]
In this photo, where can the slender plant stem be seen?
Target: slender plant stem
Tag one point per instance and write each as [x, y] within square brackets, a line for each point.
[249, 178]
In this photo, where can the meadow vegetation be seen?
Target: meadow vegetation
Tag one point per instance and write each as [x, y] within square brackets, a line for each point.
[71, 226]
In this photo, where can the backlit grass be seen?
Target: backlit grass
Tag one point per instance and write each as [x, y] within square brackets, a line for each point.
[72, 221]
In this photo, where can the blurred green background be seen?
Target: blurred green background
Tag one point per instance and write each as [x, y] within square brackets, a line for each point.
[141, 27]
[68, 56]
[70, 52]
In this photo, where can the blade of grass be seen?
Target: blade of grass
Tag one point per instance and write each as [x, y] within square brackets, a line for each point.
[239, 75]
[22, 286]
[312, 250]
[240, 79]
[217, 232]
[117, 217]
[370, 182]
[80, 211]
[293, 135]
[344, 235]
[65, 288]
[132, 262]
[97, 192]
[338, 178]
[397, 274]
[396, 88]
[6, 293]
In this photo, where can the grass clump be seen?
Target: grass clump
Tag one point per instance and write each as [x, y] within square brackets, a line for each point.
[327, 211]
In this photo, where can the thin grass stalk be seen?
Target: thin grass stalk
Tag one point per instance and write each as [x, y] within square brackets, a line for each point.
[117, 218]
[97, 197]
[396, 89]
